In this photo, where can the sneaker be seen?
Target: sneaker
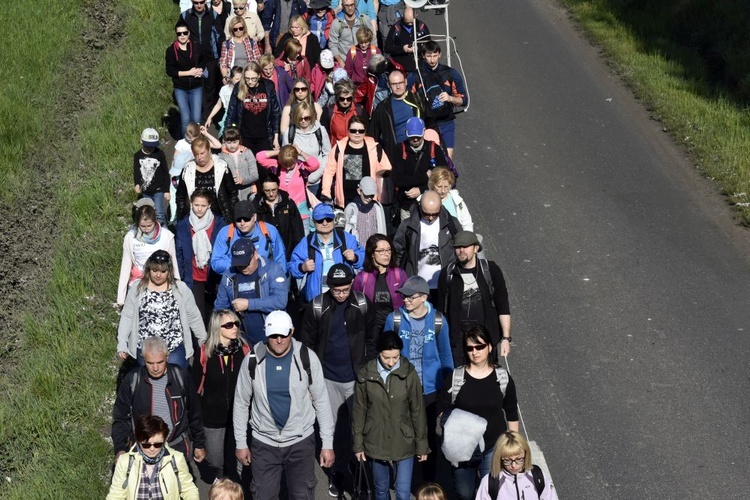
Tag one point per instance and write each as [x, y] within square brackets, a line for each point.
[333, 490]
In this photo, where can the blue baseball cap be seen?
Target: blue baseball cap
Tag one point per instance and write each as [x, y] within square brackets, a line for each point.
[415, 127]
[242, 252]
[322, 211]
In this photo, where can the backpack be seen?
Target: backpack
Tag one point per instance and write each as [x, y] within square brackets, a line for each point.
[204, 362]
[318, 135]
[493, 486]
[458, 380]
[263, 231]
[171, 461]
[397, 321]
[353, 51]
[337, 231]
[304, 354]
[448, 162]
[341, 23]
[137, 380]
[484, 266]
[317, 304]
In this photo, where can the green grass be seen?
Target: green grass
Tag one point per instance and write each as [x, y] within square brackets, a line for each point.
[55, 403]
[672, 81]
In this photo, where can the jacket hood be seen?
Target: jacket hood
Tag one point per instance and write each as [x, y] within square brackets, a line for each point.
[401, 372]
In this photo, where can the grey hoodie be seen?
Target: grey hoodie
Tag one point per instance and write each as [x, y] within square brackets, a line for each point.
[308, 142]
[308, 402]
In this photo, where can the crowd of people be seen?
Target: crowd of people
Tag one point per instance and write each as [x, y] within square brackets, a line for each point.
[305, 285]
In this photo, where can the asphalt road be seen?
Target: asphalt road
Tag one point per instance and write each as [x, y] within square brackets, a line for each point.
[628, 277]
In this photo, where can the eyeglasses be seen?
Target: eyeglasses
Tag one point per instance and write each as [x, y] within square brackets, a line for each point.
[229, 325]
[238, 30]
[251, 78]
[305, 118]
[243, 219]
[182, 33]
[277, 336]
[346, 99]
[513, 461]
[240, 7]
[409, 298]
[384, 250]
[327, 220]
[472, 348]
[341, 291]
[300, 89]
[148, 446]
[397, 84]
[356, 131]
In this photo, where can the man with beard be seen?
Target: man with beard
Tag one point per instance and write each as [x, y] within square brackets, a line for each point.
[472, 292]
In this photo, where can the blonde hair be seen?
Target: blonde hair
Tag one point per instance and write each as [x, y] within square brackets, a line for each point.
[238, 20]
[510, 443]
[302, 23]
[364, 35]
[192, 131]
[300, 108]
[244, 89]
[214, 329]
[287, 157]
[440, 174]
[225, 489]
[431, 491]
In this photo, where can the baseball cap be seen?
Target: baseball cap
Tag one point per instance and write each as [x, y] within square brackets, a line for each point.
[322, 211]
[150, 138]
[414, 127]
[414, 285]
[339, 274]
[339, 74]
[368, 186]
[326, 58]
[320, 4]
[465, 239]
[244, 210]
[242, 252]
[278, 323]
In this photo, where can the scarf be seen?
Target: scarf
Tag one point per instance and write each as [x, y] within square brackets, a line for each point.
[228, 350]
[201, 241]
[156, 459]
[150, 238]
[363, 207]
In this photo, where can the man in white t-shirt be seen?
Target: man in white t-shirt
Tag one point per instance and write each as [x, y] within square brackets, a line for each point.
[423, 241]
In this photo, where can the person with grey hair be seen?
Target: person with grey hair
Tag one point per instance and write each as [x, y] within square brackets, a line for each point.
[164, 390]
[336, 117]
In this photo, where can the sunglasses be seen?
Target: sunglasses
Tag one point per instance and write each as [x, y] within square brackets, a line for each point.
[326, 220]
[346, 99]
[277, 336]
[160, 258]
[305, 118]
[356, 130]
[229, 325]
[148, 446]
[472, 348]
[300, 89]
[238, 30]
[243, 219]
[182, 33]
[425, 214]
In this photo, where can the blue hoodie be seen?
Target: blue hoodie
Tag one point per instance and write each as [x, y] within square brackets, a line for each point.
[437, 359]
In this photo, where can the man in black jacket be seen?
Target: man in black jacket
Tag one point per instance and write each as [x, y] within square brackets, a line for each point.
[162, 390]
[473, 292]
[339, 326]
[275, 207]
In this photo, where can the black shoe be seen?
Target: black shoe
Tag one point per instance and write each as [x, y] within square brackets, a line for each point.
[333, 490]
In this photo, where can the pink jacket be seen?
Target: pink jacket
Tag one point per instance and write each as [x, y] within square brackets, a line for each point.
[295, 184]
[335, 168]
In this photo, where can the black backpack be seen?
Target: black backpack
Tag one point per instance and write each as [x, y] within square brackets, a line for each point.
[493, 486]
[484, 266]
[304, 355]
[337, 231]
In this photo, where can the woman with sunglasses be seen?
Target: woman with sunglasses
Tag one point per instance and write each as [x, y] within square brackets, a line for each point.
[300, 93]
[381, 278]
[254, 109]
[336, 116]
[512, 474]
[159, 305]
[350, 159]
[182, 65]
[152, 467]
[487, 391]
[237, 50]
[216, 377]
[298, 30]
[247, 10]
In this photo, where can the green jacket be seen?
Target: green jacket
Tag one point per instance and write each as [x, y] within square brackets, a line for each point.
[389, 420]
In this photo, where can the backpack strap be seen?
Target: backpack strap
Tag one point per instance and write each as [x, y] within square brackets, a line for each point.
[438, 322]
[319, 137]
[448, 277]
[304, 355]
[291, 133]
[342, 236]
[131, 459]
[204, 362]
[269, 242]
[485, 268]
[353, 52]
[178, 377]
[493, 486]
[230, 235]
[176, 474]
[317, 304]
[396, 320]
[538, 476]
[361, 302]
[457, 382]
[252, 364]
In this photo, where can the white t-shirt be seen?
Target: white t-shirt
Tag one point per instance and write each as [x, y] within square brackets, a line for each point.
[429, 253]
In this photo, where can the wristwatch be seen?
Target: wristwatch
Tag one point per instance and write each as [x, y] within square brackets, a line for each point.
[509, 339]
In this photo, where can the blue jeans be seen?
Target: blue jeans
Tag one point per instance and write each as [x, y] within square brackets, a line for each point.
[189, 102]
[381, 474]
[176, 357]
[465, 475]
[158, 198]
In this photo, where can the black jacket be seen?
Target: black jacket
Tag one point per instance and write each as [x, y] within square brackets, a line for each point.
[381, 126]
[286, 219]
[211, 34]
[398, 36]
[410, 169]
[187, 419]
[225, 198]
[406, 241]
[217, 396]
[234, 110]
[176, 61]
[449, 303]
[360, 328]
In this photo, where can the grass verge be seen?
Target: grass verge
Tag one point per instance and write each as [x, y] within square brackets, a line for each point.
[57, 386]
[672, 83]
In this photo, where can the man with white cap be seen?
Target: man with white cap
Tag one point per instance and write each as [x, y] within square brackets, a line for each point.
[412, 165]
[151, 173]
[472, 291]
[283, 381]
[364, 216]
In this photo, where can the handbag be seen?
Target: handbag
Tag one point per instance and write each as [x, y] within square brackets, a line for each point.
[361, 483]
